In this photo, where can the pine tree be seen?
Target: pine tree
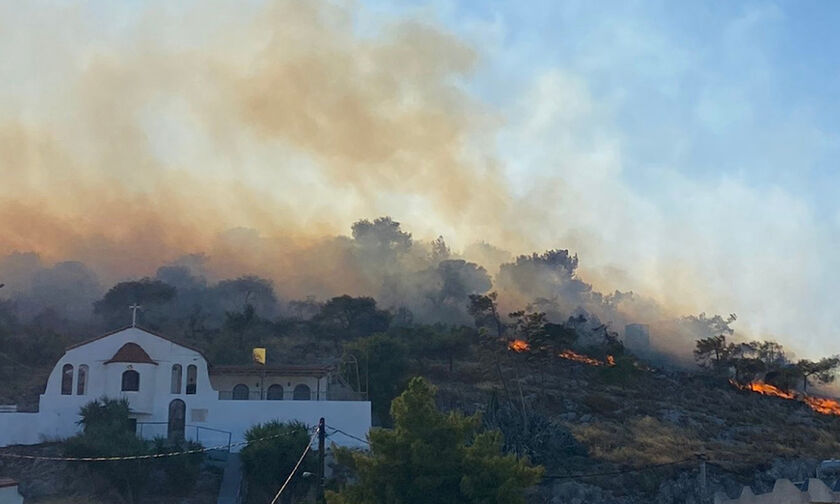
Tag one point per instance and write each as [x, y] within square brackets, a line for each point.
[430, 456]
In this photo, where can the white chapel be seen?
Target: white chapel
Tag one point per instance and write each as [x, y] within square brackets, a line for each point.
[173, 391]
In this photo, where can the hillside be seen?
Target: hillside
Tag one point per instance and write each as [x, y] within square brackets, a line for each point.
[627, 422]
[625, 433]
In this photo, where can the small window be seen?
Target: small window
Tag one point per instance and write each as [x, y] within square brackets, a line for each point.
[67, 379]
[81, 381]
[175, 388]
[241, 392]
[192, 371]
[275, 392]
[302, 393]
[130, 381]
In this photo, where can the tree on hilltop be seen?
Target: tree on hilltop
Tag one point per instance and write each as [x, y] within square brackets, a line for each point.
[822, 370]
[713, 352]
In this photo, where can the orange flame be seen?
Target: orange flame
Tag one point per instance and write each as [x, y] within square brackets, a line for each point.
[585, 359]
[767, 389]
[823, 405]
[819, 404]
[519, 345]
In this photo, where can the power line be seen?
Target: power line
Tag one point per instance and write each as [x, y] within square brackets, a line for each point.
[300, 460]
[569, 476]
[135, 457]
[365, 441]
[18, 362]
[291, 474]
[614, 473]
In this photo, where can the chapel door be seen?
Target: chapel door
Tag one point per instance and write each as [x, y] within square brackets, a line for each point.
[177, 420]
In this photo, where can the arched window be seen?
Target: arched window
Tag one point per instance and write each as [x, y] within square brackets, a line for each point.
[177, 419]
[302, 393]
[241, 392]
[275, 392]
[81, 381]
[175, 388]
[192, 372]
[67, 379]
[130, 381]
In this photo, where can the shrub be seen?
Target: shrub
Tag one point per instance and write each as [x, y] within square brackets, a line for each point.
[107, 432]
[268, 462]
[180, 473]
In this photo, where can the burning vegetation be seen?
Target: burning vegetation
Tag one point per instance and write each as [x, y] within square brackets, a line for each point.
[762, 367]
[585, 359]
[520, 346]
[822, 405]
[765, 389]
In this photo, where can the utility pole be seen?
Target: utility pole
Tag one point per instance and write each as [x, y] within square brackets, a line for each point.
[702, 477]
[321, 441]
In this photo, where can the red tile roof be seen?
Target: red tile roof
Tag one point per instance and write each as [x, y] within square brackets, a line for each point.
[7, 482]
[131, 352]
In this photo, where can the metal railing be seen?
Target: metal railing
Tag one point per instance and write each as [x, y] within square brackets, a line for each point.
[341, 395]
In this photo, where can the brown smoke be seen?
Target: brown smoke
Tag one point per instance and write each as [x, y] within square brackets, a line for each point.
[256, 135]
[282, 119]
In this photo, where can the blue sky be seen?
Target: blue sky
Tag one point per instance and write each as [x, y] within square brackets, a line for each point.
[721, 124]
[742, 89]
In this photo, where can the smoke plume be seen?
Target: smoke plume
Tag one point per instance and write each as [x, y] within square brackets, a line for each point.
[243, 139]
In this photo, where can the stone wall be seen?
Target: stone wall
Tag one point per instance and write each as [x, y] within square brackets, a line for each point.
[785, 492]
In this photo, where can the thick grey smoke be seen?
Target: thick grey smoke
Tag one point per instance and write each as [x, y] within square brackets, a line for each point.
[423, 280]
[245, 139]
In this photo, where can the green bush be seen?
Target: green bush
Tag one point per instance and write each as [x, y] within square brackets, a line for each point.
[107, 432]
[268, 462]
[180, 473]
[622, 373]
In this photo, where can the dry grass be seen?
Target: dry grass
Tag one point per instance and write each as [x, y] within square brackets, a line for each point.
[638, 441]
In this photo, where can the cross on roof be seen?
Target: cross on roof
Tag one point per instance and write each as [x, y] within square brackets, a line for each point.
[134, 309]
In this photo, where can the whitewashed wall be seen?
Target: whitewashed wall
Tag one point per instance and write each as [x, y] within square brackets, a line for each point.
[10, 495]
[237, 417]
[19, 428]
[59, 414]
